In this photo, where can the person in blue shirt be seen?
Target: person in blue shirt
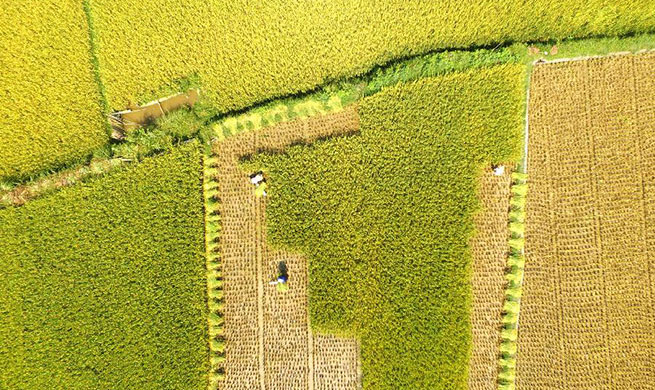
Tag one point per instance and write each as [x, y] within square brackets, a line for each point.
[282, 277]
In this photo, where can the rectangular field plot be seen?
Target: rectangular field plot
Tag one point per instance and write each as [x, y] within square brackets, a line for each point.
[489, 249]
[103, 283]
[50, 109]
[269, 343]
[588, 308]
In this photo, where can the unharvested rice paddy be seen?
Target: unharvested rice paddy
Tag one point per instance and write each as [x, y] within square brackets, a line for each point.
[588, 310]
[103, 283]
[50, 110]
[66, 63]
[269, 343]
[387, 239]
[243, 53]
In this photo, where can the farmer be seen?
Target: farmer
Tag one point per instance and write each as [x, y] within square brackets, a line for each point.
[258, 180]
[282, 277]
[499, 170]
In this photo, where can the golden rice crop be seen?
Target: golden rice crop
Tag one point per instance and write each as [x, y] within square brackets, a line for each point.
[244, 52]
[50, 109]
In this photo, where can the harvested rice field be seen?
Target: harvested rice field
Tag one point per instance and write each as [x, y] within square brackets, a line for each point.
[269, 342]
[489, 249]
[588, 309]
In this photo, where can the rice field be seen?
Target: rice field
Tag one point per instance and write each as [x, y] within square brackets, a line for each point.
[269, 342]
[380, 130]
[104, 282]
[50, 103]
[351, 206]
[244, 53]
[587, 317]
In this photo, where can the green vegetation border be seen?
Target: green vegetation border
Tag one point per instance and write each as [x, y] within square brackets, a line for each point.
[205, 124]
[514, 276]
[215, 300]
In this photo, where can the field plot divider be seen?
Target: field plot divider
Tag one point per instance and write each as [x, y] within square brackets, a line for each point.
[214, 274]
[95, 62]
[514, 276]
[584, 58]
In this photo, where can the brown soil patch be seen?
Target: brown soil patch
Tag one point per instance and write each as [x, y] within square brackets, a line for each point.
[137, 116]
[269, 344]
[489, 248]
[588, 308]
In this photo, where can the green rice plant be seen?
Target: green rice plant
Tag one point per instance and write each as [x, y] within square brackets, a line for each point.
[509, 319]
[514, 293]
[507, 363]
[216, 293]
[517, 244]
[218, 346]
[508, 348]
[511, 307]
[508, 334]
[516, 260]
[519, 177]
[517, 216]
[507, 376]
[402, 262]
[515, 278]
[517, 229]
[105, 282]
[273, 114]
[215, 319]
[519, 189]
[517, 203]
